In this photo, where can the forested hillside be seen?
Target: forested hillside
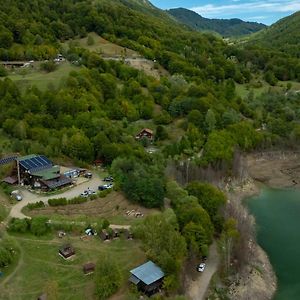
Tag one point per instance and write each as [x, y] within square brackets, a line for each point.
[201, 91]
[98, 105]
[283, 35]
[226, 28]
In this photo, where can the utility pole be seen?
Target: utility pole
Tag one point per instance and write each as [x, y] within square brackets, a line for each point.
[18, 169]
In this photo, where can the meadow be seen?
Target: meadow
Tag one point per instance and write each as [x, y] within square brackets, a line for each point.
[40, 269]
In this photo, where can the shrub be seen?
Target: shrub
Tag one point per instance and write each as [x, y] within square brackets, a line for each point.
[105, 224]
[93, 197]
[48, 66]
[5, 256]
[7, 189]
[18, 225]
[77, 200]
[104, 193]
[32, 206]
[39, 226]
[57, 201]
[108, 278]
[90, 40]
[3, 71]
[3, 213]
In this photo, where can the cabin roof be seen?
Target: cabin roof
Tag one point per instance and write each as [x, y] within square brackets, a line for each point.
[147, 273]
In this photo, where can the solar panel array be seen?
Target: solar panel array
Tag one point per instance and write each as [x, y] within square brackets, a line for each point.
[36, 163]
[7, 160]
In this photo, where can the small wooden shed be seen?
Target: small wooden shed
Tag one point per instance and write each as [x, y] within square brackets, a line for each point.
[89, 268]
[145, 133]
[66, 251]
[104, 235]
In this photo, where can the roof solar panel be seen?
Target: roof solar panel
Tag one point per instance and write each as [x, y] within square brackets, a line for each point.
[36, 163]
[7, 160]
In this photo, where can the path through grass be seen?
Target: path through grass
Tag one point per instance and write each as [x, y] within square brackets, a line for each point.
[41, 264]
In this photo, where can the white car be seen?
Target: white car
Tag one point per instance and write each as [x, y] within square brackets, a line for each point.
[201, 267]
[84, 194]
[17, 195]
[90, 192]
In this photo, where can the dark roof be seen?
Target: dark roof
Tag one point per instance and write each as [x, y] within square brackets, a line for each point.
[55, 183]
[67, 251]
[148, 273]
[10, 180]
[89, 267]
[35, 163]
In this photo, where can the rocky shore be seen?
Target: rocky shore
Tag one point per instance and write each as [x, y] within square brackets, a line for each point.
[275, 169]
[256, 280]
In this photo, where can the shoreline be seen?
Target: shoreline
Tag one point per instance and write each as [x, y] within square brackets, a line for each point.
[257, 279]
[273, 169]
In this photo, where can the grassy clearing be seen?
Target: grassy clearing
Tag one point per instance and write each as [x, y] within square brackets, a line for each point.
[41, 264]
[16, 256]
[26, 78]
[244, 89]
[113, 208]
[102, 46]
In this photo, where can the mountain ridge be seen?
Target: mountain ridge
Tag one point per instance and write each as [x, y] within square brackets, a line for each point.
[284, 35]
[225, 27]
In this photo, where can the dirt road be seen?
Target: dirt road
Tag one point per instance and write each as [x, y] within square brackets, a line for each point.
[198, 288]
[28, 197]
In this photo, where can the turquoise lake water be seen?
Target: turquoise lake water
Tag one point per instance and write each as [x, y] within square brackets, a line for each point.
[277, 214]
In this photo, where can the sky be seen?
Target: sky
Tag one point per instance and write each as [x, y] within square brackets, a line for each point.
[263, 11]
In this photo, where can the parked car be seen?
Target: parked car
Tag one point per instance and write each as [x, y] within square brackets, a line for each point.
[17, 195]
[88, 175]
[84, 194]
[108, 178]
[105, 187]
[90, 192]
[201, 267]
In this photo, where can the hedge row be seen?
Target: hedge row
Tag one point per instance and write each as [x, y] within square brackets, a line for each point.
[39, 204]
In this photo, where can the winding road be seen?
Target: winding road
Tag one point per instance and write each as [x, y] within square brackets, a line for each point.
[198, 288]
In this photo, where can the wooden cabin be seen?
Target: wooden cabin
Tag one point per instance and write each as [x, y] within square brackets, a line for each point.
[66, 252]
[89, 268]
[145, 133]
[148, 278]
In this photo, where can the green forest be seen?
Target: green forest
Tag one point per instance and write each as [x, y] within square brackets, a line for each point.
[195, 111]
[224, 27]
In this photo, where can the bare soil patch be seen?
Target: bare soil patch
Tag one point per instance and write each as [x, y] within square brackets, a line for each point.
[114, 204]
[257, 279]
[148, 66]
[276, 169]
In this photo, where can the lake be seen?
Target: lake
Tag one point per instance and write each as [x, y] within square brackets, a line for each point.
[277, 214]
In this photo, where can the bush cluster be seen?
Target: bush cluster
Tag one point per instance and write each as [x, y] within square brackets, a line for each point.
[37, 225]
[57, 201]
[32, 206]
